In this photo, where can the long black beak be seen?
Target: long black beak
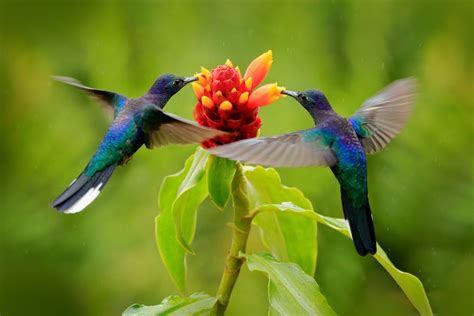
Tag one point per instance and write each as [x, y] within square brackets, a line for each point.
[293, 94]
[190, 79]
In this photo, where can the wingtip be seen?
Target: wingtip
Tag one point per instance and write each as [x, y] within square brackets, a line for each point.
[53, 204]
[67, 80]
[59, 78]
[409, 83]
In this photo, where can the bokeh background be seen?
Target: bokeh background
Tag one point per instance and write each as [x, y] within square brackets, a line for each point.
[102, 260]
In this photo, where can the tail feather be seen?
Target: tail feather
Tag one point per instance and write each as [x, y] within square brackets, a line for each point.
[82, 191]
[360, 225]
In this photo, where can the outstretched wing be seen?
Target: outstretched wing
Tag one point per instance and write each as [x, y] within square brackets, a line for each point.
[382, 117]
[298, 149]
[112, 102]
[162, 128]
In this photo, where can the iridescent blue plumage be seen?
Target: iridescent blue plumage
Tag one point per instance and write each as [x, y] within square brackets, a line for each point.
[136, 122]
[339, 143]
[122, 139]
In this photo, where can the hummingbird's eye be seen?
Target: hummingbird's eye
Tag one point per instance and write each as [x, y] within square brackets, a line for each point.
[178, 82]
[303, 97]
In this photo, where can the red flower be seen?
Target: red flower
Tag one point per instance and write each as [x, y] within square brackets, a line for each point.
[228, 102]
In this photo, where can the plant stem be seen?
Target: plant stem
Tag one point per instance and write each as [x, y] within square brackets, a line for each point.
[241, 229]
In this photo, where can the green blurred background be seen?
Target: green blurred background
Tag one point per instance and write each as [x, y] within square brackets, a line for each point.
[102, 260]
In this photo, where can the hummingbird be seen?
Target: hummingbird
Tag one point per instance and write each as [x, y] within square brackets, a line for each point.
[339, 143]
[136, 122]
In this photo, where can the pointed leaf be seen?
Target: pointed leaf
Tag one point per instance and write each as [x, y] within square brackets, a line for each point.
[191, 192]
[171, 252]
[220, 172]
[410, 284]
[196, 304]
[180, 195]
[290, 290]
[288, 237]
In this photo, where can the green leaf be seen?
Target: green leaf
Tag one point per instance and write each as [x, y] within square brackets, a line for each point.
[290, 290]
[196, 304]
[191, 193]
[172, 254]
[180, 195]
[220, 172]
[289, 238]
[410, 284]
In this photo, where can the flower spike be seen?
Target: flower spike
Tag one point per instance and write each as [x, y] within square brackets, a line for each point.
[229, 102]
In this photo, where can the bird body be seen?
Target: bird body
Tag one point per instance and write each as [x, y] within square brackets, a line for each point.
[124, 137]
[339, 143]
[351, 173]
[120, 142]
[136, 122]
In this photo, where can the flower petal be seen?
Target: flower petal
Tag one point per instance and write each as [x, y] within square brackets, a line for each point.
[207, 102]
[249, 83]
[202, 79]
[238, 70]
[264, 95]
[225, 106]
[243, 98]
[205, 72]
[198, 89]
[258, 68]
[218, 97]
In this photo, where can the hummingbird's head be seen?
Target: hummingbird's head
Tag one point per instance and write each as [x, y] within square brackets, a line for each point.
[168, 84]
[311, 100]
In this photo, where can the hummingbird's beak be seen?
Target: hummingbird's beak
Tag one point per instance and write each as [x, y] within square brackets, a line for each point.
[293, 94]
[190, 79]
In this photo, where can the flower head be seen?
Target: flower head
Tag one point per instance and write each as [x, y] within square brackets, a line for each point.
[229, 102]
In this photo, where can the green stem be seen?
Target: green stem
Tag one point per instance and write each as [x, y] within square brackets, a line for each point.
[241, 229]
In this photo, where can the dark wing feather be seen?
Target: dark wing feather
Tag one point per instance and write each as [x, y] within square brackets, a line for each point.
[111, 102]
[162, 128]
[382, 117]
[304, 148]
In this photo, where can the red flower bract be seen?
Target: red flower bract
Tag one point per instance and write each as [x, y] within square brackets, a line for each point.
[228, 102]
[224, 78]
